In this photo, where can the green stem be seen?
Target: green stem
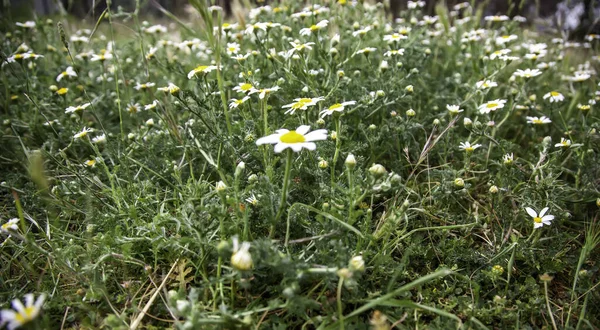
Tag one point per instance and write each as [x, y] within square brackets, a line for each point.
[339, 302]
[286, 182]
[548, 305]
[337, 149]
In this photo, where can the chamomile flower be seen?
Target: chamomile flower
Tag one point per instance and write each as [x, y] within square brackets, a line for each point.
[505, 39]
[486, 84]
[83, 133]
[454, 109]
[314, 28]
[554, 97]
[101, 57]
[10, 225]
[508, 159]
[404, 30]
[538, 120]
[296, 140]
[241, 57]
[22, 56]
[151, 106]
[394, 52]
[468, 147]
[564, 143]
[497, 18]
[540, 219]
[155, 29]
[22, 314]
[264, 91]
[171, 89]
[99, 139]
[26, 25]
[338, 107]
[147, 85]
[491, 106]
[361, 32]
[366, 50]
[233, 48]
[69, 72]
[298, 47]
[234, 103]
[244, 88]
[202, 69]
[302, 104]
[73, 109]
[252, 200]
[395, 37]
[527, 73]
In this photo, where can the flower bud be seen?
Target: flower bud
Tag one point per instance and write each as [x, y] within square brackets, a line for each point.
[467, 122]
[333, 135]
[241, 259]
[221, 186]
[498, 270]
[357, 264]
[380, 93]
[239, 169]
[493, 189]
[351, 163]
[323, 164]
[409, 88]
[377, 170]
[410, 113]
[459, 182]
[253, 178]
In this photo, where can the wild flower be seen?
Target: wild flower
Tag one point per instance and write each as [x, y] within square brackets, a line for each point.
[468, 147]
[262, 92]
[302, 104]
[171, 89]
[147, 85]
[527, 73]
[83, 133]
[73, 109]
[454, 109]
[540, 219]
[314, 28]
[10, 225]
[296, 140]
[491, 106]
[241, 259]
[202, 69]
[554, 97]
[234, 103]
[485, 84]
[69, 72]
[22, 314]
[538, 120]
[244, 88]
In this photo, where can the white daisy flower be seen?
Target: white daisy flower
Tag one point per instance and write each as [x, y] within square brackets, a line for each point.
[302, 104]
[264, 91]
[396, 37]
[366, 50]
[468, 147]
[27, 25]
[394, 52]
[454, 109]
[69, 72]
[485, 84]
[233, 48]
[151, 106]
[83, 133]
[540, 219]
[296, 140]
[338, 107]
[171, 88]
[147, 85]
[72, 109]
[361, 32]
[538, 120]
[99, 139]
[497, 18]
[102, 57]
[527, 73]
[234, 103]
[10, 225]
[22, 314]
[491, 106]
[554, 97]
[204, 69]
[244, 88]
[313, 28]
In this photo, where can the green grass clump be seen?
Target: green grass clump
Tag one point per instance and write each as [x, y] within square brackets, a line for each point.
[300, 168]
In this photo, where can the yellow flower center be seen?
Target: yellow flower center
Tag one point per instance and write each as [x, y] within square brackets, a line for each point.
[64, 73]
[201, 68]
[246, 87]
[505, 37]
[90, 162]
[231, 49]
[292, 137]
[226, 25]
[335, 106]
[314, 27]
[19, 56]
[537, 121]
[62, 91]
[554, 94]
[469, 149]
[26, 316]
[537, 220]
[5, 226]
[492, 105]
[403, 31]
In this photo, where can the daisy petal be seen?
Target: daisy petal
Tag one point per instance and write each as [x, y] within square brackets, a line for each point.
[297, 147]
[318, 135]
[548, 218]
[537, 225]
[279, 147]
[543, 211]
[303, 129]
[531, 212]
[309, 145]
[270, 139]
